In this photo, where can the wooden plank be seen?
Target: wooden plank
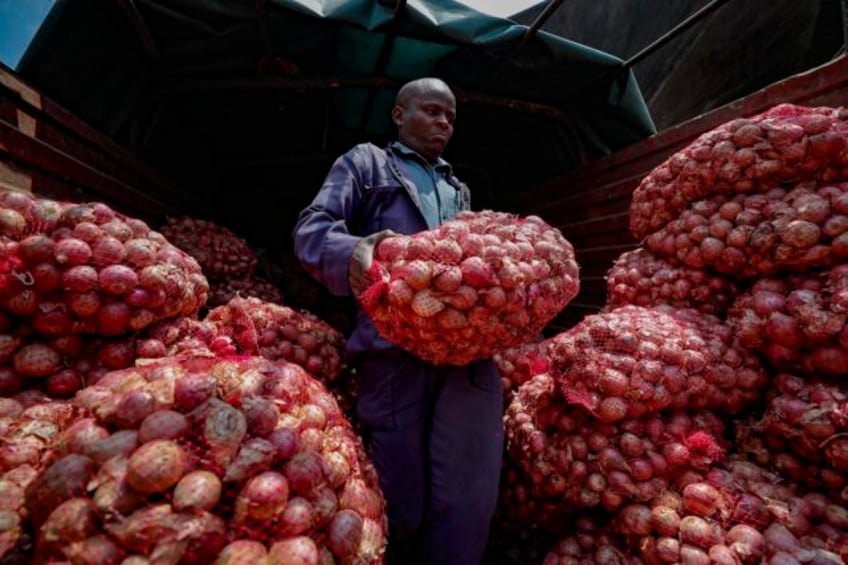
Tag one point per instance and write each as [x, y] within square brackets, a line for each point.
[36, 153]
[823, 85]
[49, 133]
[68, 125]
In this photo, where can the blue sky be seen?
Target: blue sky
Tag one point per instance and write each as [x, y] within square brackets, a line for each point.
[19, 20]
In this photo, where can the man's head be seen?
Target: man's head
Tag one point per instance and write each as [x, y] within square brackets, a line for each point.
[424, 112]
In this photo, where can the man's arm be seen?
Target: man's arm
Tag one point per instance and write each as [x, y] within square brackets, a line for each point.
[322, 240]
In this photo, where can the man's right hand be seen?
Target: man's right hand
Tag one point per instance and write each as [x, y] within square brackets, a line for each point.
[360, 261]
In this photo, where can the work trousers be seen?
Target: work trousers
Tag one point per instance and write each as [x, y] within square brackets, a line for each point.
[435, 435]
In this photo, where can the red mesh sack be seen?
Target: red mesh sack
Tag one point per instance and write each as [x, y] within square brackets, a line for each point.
[797, 322]
[640, 278]
[85, 268]
[221, 253]
[737, 512]
[221, 292]
[754, 439]
[30, 437]
[755, 235]
[278, 332]
[568, 459]
[482, 282]
[518, 365]
[591, 542]
[190, 459]
[634, 361]
[787, 143]
[810, 419]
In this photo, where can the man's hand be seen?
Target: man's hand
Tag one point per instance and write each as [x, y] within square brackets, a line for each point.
[360, 261]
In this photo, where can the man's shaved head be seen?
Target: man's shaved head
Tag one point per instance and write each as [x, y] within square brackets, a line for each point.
[419, 87]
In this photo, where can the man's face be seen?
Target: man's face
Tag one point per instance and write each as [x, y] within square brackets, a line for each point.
[425, 122]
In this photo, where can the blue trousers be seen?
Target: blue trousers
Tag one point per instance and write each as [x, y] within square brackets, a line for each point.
[435, 435]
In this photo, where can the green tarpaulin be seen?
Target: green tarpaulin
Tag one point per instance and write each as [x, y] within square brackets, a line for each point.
[255, 98]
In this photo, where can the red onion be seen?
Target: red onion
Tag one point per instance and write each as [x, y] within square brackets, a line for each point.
[156, 466]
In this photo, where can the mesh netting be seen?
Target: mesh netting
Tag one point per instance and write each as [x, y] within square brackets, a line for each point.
[187, 458]
[568, 459]
[478, 284]
[798, 322]
[749, 236]
[787, 143]
[640, 278]
[85, 268]
[634, 361]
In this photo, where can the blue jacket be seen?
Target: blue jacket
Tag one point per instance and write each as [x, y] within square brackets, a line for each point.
[363, 193]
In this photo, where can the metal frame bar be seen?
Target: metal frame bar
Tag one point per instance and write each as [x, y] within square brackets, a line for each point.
[534, 27]
[141, 27]
[844, 9]
[383, 59]
[673, 32]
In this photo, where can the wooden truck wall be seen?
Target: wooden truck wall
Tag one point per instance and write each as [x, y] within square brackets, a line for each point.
[46, 150]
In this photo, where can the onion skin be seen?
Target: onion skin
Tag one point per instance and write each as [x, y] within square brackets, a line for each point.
[156, 466]
[747, 542]
[64, 479]
[701, 499]
[200, 490]
[262, 498]
[344, 533]
[722, 555]
[692, 555]
[162, 424]
[242, 552]
[699, 532]
[95, 550]
[73, 520]
[299, 550]
[122, 442]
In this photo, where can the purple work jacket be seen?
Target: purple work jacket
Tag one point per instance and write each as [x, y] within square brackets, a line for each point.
[364, 193]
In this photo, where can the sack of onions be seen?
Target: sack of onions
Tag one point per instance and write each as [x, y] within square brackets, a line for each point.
[221, 292]
[811, 418]
[752, 439]
[477, 284]
[185, 336]
[222, 254]
[193, 460]
[738, 512]
[62, 365]
[85, 268]
[519, 364]
[30, 437]
[640, 278]
[797, 322]
[634, 361]
[591, 542]
[569, 459]
[280, 333]
[787, 143]
[755, 235]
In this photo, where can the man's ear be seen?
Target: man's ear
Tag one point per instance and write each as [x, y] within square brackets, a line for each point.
[397, 115]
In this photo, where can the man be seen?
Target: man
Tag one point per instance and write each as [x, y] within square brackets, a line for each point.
[434, 433]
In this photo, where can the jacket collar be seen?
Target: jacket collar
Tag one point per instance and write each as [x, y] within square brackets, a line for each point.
[407, 151]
